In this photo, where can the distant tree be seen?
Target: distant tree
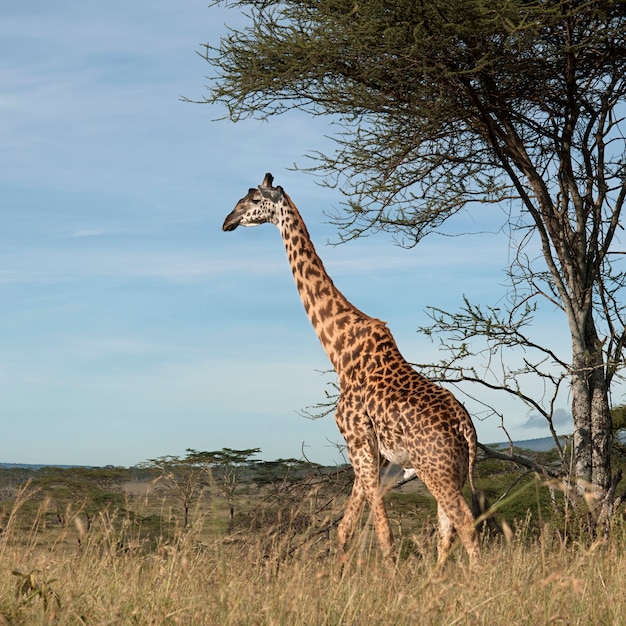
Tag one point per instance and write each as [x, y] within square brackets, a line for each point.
[281, 470]
[445, 103]
[226, 468]
[11, 478]
[184, 477]
[85, 490]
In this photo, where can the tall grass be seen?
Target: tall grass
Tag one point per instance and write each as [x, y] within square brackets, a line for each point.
[114, 575]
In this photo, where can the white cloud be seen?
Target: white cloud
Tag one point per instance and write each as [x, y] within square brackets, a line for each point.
[561, 419]
[89, 232]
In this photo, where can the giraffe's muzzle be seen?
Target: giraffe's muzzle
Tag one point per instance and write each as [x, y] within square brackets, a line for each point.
[232, 221]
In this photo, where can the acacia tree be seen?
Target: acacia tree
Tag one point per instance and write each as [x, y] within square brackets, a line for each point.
[184, 477]
[225, 469]
[86, 490]
[445, 103]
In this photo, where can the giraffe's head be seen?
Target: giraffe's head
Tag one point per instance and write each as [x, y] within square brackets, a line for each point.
[260, 205]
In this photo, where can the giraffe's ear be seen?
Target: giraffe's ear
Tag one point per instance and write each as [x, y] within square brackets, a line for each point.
[274, 194]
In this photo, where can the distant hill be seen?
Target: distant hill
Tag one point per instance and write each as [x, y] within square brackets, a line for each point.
[544, 444]
[30, 466]
[547, 443]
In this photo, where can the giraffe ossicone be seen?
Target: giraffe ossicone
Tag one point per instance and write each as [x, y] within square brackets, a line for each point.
[386, 410]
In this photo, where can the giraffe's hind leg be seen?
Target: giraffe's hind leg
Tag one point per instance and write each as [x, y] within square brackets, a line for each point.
[447, 533]
[455, 516]
[462, 520]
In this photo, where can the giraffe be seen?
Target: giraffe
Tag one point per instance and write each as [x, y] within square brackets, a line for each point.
[386, 412]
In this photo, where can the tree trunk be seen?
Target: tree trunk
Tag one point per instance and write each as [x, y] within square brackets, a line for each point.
[600, 415]
[581, 414]
[591, 413]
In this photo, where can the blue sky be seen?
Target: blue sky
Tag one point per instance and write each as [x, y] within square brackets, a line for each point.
[131, 326]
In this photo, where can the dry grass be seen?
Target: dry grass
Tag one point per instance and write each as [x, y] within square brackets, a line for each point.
[115, 577]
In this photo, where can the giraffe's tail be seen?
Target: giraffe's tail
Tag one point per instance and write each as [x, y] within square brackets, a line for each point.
[479, 500]
[469, 432]
[480, 504]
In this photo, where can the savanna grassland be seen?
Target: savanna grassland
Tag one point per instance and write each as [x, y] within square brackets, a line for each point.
[128, 560]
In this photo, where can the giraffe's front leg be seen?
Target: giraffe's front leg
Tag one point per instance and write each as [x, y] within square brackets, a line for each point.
[366, 464]
[366, 487]
[351, 516]
[362, 444]
[370, 475]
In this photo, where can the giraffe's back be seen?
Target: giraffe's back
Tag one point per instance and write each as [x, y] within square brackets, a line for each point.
[411, 413]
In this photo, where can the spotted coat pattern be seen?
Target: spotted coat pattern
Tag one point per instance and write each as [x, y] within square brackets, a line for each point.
[386, 410]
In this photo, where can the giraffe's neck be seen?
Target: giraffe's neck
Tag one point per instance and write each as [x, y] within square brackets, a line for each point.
[329, 311]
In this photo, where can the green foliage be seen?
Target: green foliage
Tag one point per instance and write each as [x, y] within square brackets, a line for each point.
[412, 502]
[85, 490]
[422, 88]
[281, 470]
[618, 414]
[12, 478]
